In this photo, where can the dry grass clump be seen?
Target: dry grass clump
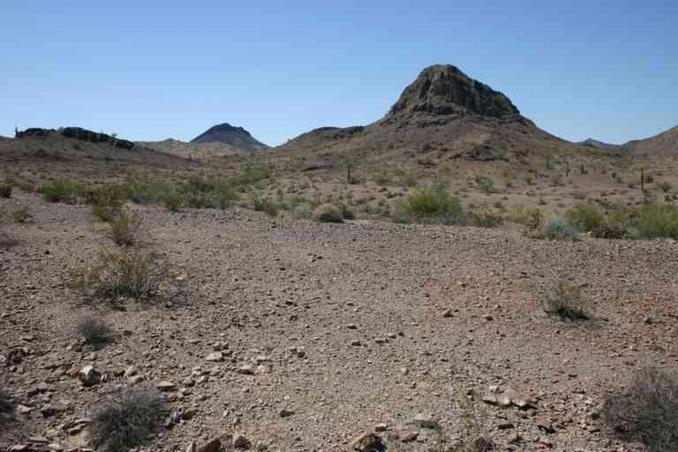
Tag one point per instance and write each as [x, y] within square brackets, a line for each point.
[124, 273]
[646, 411]
[107, 202]
[567, 302]
[95, 331]
[126, 420]
[124, 228]
[63, 190]
[328, 213]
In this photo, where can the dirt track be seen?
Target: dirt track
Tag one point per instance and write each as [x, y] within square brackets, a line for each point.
[344, 326]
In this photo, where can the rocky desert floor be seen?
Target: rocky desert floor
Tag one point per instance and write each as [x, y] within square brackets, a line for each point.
[302, 336]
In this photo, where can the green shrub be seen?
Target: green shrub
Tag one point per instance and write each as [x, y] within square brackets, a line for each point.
[265, 204]
[533, 218]
[172, 200]
[95, 331]
[302, 210]
[585, 217]
[566, 302]
[485, 184]
[126, 420]
[124, 228]
[124, 273]
[5, 190]
[647, 411]
[656, 221]
[430, 206]
[64, 191]
[108, 201]
[558, 229]
[328, 213]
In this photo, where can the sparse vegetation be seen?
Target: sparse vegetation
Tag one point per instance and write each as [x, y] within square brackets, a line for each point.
[566, 301]
[485, 217]
[656, 221]
[485, 184]
[647, 411]
[127, 420]
[95, 331]
[302, 210]
[124, 228]
[328, 213]
[265, 204]
[430, 206]
[125, 273]
[585, 217]
[172, 200]
[21, 214]
[108, 201]
[63, 190]
[474, 439]
[559, 229]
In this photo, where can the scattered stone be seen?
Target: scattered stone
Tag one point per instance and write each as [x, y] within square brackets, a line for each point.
[166, 386]
[545, 426]
[514, 438]
[23, 409]
[286, 412]
[367, 442]
[246, 369]
[240, 441]
[215, 357]
[425, 421]
[381, 427]
[130, 372]
[89, 376]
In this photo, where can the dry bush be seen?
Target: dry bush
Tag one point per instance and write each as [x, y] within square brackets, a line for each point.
[328, 213]
[95, 331]
[107, 202]
[567, 302]
[647, 411]
[125, 228]
[126, 420]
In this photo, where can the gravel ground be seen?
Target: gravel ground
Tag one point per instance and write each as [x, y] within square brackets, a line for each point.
[330, 331]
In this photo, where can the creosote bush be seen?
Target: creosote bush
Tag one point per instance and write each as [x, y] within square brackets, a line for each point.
[95, 331]
[559, 229]
[566, 301]
[63, 190]
[107, 202]
[123, 273]
[430, 206]
[328, 213]
[485, 217]
[585, 217]
[126, 420]
[647, 411]
[265, 204]
[124, 229]
[656, 221]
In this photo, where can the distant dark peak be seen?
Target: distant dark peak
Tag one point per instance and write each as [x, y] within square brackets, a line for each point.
[445, 90]
[593, 143]
[231, 135]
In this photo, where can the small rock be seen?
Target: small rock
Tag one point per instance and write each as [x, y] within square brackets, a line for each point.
[286, 412]
[240, 441]
[215, 357]
[89, 376]
[246, 369]
[425, 421]
[367, 442]
[166, 386]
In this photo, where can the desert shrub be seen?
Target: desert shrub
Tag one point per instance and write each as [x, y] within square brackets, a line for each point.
[533, 217]
[485, 217]
[302, 210]
[429, 206]
[567, 302]
[251, 173]
[199, 200]
[172, 200]
[124, 273]
[6, 408]
[346, 212]
[485, 184]
[5, 190]
[665, 186]
[108, 201]
[124, 229]
[585, 217]
[265, 204]
[474, 438]
[65, 191]
[559, 229]
[328, 213]
[21, 214]
[647, 411]
[126, 420]
[95, 331]
[656, 221]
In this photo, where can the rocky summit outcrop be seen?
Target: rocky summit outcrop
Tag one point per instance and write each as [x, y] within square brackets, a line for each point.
[446, 90]
[77, 133]
[665, 143]
[231, 135]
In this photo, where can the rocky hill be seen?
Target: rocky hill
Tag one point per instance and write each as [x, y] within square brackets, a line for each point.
[593, 143]
[443, 114]
[665, 143]
[236, 137]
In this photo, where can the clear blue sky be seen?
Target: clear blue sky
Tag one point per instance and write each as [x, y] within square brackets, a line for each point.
[155, 69]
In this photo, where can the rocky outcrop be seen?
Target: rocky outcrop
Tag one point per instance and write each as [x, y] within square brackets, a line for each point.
[77, 133]
[442, 90]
